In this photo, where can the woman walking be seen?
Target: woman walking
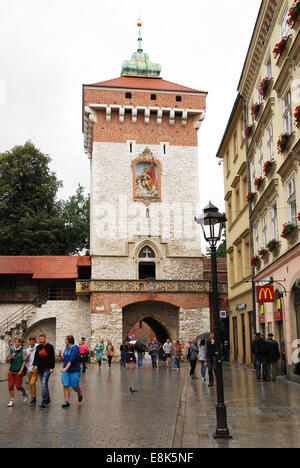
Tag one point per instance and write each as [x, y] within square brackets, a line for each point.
[193, 356]
[153, 351]
[110, 352]
[17, 359]
[84, 353]
[99, 348]
[202, 359]
[70, 374]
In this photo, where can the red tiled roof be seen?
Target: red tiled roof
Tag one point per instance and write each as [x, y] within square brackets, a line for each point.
[154, 84]
[43, 267]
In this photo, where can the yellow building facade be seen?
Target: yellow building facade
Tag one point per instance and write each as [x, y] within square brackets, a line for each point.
[269, 89]
[233, 152]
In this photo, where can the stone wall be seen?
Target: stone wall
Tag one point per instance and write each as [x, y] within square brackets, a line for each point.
[118, 223]
[56, 319]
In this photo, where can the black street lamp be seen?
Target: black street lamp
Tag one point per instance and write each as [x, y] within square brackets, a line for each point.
[212, 222]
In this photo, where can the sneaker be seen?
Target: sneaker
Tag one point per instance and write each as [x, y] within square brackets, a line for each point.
[33, 402]
[42, 405]
[11, 403]
[66, 405]
[80, 397]
[25, 397]
[48, 401]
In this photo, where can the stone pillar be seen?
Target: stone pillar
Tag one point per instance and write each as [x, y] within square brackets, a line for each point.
[192, 323]
[107, 326]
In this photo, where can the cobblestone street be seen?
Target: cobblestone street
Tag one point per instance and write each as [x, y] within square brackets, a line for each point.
[167, 411]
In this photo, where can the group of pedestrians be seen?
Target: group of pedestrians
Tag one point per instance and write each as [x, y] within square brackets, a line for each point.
[205, 351]
[38, 361]
[267, 356]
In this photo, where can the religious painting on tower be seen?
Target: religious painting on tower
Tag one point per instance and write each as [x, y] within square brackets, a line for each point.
[146, 180]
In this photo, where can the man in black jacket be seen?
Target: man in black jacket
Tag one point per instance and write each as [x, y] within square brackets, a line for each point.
[273, 358]
[44, 361]
[211, 358]
[259, 348]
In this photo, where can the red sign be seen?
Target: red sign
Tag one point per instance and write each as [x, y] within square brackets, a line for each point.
[265, 294]
[278, 316]
[262, 319]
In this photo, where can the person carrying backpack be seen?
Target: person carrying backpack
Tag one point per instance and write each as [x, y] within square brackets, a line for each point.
[17, 359]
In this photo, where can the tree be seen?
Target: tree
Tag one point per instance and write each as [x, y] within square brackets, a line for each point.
[222, 249]
[76, 214]
[32, 221]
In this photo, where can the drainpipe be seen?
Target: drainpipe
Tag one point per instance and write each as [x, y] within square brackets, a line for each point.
[250, 215]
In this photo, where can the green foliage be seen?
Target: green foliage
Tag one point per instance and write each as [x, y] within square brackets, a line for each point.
[32, 221]
[76, 213]
[222, 249]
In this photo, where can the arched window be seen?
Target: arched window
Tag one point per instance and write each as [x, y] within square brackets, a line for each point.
[147, 265]
[147, 252]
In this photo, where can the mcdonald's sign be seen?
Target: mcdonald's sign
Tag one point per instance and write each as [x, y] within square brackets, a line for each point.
[265, 294]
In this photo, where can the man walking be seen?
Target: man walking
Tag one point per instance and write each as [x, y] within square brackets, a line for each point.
[44, 360]
[211, 358]
[259, 348]
[273, 358]
[32, 373]
[140, 348]
[176, 353]
[167, 348]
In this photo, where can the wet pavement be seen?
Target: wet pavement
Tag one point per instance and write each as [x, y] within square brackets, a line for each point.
[167, 411]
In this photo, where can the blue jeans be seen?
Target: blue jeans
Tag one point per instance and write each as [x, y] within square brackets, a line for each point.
[176, 363]
[203, 369]
[140, 359]
[44, 376]
[123, 359]
[261, 364]
[212, 367]
[154, 360]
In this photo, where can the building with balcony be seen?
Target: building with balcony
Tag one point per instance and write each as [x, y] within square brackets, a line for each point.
[270, 89]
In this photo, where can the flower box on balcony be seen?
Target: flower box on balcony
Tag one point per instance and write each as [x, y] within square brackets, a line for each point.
[255, 110]
[273, 245]
[297, 116]
[264, 87]
[288, 229]
[280, 47]
[263, 252]
[259, 182]
[268, 167]
[255, 261]
[250, 197]
[283, 142]
[249, 130]
[294, 14]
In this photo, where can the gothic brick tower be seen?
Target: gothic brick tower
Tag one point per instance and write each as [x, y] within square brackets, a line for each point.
[140, 133]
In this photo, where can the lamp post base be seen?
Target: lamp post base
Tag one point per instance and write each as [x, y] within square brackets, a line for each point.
[222, 434]
[222, 431]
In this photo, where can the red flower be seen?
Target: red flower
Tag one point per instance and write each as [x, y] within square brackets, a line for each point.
[279, 48]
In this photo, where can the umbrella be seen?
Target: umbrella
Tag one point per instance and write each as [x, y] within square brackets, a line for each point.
[142, 341]
[203, 336]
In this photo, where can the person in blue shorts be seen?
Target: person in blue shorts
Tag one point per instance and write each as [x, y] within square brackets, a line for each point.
[70, 373]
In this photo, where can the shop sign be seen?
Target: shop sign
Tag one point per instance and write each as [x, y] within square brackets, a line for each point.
[278, 316]
[265, 294]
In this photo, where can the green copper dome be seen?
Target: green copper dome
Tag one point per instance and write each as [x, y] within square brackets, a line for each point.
[140, 65]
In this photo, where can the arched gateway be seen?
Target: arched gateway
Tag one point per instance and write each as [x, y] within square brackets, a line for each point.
[162, 318]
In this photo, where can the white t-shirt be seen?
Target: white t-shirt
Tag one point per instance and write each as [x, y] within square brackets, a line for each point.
[30, 351]
[167, 347]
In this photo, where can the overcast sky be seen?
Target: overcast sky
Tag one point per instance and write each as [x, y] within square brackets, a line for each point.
[50, 48]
